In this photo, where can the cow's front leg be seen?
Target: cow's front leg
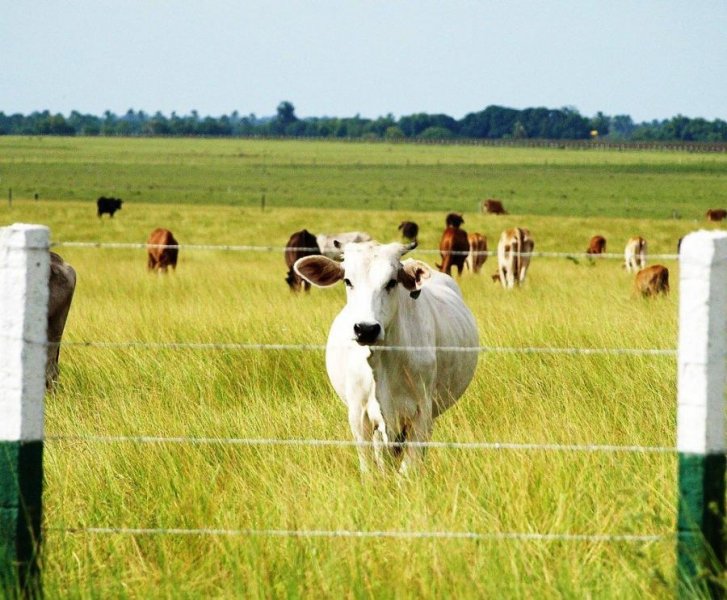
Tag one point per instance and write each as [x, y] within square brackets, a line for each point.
[362, 430]
[379, 436]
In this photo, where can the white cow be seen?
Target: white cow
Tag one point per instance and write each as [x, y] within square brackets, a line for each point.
[327, 241]
[394, 394]
[635, 254]
[513, 256]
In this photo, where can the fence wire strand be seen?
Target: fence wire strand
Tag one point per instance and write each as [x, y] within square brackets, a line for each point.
[279, 249]
[308, 442]
[382, 348]
[346, 533]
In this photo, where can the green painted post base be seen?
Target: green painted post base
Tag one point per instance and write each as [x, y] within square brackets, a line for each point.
[21, 487]
[700, 550]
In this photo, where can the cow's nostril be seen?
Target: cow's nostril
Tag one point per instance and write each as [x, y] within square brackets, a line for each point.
[366, 333]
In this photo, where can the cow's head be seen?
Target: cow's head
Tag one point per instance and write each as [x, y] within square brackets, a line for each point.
[454, 220]
[376, 280]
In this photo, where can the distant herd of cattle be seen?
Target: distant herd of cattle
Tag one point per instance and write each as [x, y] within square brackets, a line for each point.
[469, 251]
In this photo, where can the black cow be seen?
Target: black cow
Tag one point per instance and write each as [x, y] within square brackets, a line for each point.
[409, 230]
[108, 205]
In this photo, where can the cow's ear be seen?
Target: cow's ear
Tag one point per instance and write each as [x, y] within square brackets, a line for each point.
[412, 275]
[319, 270]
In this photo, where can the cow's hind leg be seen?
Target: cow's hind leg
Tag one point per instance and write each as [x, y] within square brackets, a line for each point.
[418, 432]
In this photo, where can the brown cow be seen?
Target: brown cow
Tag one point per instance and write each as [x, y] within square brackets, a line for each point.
[454, 245]
[478, 252]
[301, 243]
[597, 245]
[160, 258]
[652, 281]
[513, 256]
[493, 207]
[409, 230]
[61, 285]
[716, 214]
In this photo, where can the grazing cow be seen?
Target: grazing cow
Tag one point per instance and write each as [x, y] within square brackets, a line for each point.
[652, 281]
[301, 243]
[108, 205]
[478, 252]
[409, 230]
[493, 207]
[513, 256]
[635, 254]
[61, 285]
[160, 258]
[597, 245]
[454, 220]
[327, 242]
[394, 394]
[716, 214]
[454, 245]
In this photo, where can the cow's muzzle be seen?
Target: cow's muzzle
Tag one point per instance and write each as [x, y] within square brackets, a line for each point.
[366, 333]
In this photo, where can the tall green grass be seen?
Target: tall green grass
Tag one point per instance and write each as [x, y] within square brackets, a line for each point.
[228, 297]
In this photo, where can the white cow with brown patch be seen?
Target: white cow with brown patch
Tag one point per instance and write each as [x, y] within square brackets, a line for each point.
[327, 241]
[635, 254]
[401, 351]
[513, 256]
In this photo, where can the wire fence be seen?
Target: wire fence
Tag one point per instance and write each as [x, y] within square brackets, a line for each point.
[361, 534]
[330, 443]
[377, 348]
[334, 443]
[281, 249]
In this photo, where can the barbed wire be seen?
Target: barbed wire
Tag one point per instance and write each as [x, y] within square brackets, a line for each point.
[395, 534]
[255, 248]
[376, 348]
[332, 443]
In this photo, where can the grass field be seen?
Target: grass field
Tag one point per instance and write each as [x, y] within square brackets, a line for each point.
[381, 176]
[230, 297]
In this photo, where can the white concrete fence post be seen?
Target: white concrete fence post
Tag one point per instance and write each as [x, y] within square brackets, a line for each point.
[24, 271]
[701, 411]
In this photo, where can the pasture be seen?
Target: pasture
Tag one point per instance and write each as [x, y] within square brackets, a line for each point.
[221, 297]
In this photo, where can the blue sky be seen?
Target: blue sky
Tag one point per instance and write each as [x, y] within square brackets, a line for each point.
[648, 59]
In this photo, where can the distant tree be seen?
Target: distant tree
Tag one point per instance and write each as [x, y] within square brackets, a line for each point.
[518, 131]
[158, 125]
[380, 125]
[286, 114]
[393, 133]
[494, 122]
[621, 127]
[436, 133]
[601, 123]
[414, 125]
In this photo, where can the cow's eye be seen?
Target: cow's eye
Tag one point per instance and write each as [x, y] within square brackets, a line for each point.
[348, 283]
[391, 285]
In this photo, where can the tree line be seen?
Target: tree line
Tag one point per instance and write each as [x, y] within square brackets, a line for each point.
[494, 122]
